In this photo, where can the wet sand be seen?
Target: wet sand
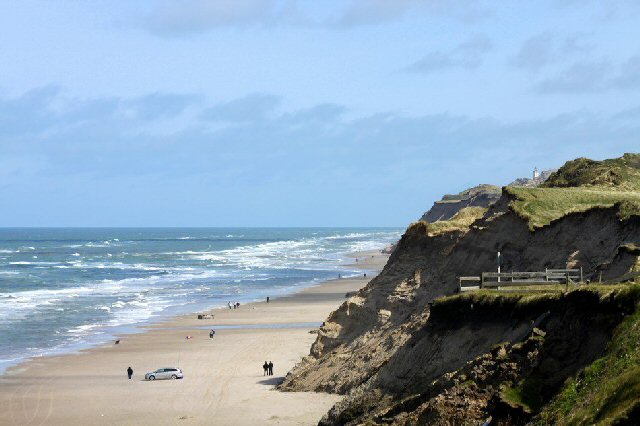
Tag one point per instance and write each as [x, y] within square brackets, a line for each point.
[223, 384]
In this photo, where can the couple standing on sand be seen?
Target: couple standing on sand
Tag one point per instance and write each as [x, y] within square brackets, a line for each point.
[268, 368]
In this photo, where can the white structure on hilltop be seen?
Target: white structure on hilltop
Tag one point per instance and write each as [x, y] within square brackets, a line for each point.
[536, 173]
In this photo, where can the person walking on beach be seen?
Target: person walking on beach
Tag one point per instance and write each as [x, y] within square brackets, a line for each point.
[130, 372]
[211, 333]
[229, 304]
[267, 299]
[265, 367]
[270, 368]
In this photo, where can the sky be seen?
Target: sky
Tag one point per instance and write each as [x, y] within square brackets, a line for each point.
[300, 113]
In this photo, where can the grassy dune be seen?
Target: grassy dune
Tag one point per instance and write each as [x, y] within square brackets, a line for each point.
[541, 206]
[621, 173]
[459, 222]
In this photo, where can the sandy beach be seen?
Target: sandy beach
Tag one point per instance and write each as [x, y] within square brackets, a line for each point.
[223, 384]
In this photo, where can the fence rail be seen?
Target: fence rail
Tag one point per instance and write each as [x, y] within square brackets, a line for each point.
[513, 279]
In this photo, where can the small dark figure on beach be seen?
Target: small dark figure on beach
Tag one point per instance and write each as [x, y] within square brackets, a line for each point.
[265, 367]
[267, 299]
[339, 276]
[130, 372]
[270, 368]
[211, 333]
[365, 275]
[238, 305]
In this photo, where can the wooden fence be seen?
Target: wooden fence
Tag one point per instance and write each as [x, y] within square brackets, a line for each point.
[498, 280]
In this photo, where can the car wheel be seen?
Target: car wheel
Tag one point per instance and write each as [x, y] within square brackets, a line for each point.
[173, 377]
[152, 377]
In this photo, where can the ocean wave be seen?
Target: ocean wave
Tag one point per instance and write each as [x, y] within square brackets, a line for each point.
[103, 291]
[82, 328]
[349, 236]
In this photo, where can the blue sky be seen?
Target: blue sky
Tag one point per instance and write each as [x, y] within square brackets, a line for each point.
[300, 113]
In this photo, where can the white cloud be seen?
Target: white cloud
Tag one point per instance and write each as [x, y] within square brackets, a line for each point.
[197, 16]
[467, 55]
[548, 48]
[594, 76]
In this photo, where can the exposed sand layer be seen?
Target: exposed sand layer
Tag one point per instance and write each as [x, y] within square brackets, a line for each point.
[223, 384]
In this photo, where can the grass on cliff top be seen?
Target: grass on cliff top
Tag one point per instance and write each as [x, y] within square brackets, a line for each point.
[541, 206]
[495, 298]
[607, 392]
[471, 192]
[622, 173]
[461, 221]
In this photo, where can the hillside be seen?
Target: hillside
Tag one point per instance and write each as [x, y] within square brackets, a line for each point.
[617, 174]
[479, 196]
[406, 350]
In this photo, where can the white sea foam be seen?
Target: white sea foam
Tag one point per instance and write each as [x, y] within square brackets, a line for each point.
[126, 292]
[83, 328]
[349, 236]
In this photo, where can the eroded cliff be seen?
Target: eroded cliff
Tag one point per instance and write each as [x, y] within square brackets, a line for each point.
[389, 347]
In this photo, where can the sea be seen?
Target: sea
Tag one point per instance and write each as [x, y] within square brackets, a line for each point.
[66, 289]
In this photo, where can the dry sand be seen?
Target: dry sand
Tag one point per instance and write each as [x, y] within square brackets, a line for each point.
[223, 384]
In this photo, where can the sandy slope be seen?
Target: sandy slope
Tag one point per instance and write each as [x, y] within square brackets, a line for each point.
[224, 383]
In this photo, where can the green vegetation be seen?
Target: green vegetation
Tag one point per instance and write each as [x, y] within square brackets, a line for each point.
[541, 206]
[497, 299]
[461, 221]
[607, 392]
[472, 192]
[520, 396]
[581, 185]
[619, 173]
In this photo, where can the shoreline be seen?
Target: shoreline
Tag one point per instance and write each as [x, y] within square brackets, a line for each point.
[280, 330]
[109, 334]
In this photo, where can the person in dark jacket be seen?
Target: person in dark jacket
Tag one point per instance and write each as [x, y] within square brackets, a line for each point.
[130, 372]
[265, 367]
[270, 368]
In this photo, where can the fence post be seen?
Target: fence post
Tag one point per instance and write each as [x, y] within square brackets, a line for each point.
[481, 279]
[581, 277]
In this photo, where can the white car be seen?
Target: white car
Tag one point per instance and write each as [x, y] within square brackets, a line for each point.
[164, 373]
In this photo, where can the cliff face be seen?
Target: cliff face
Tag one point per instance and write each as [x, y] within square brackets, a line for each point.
[386, 344]
[474, 352]
[368, 328]
[478, 196]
